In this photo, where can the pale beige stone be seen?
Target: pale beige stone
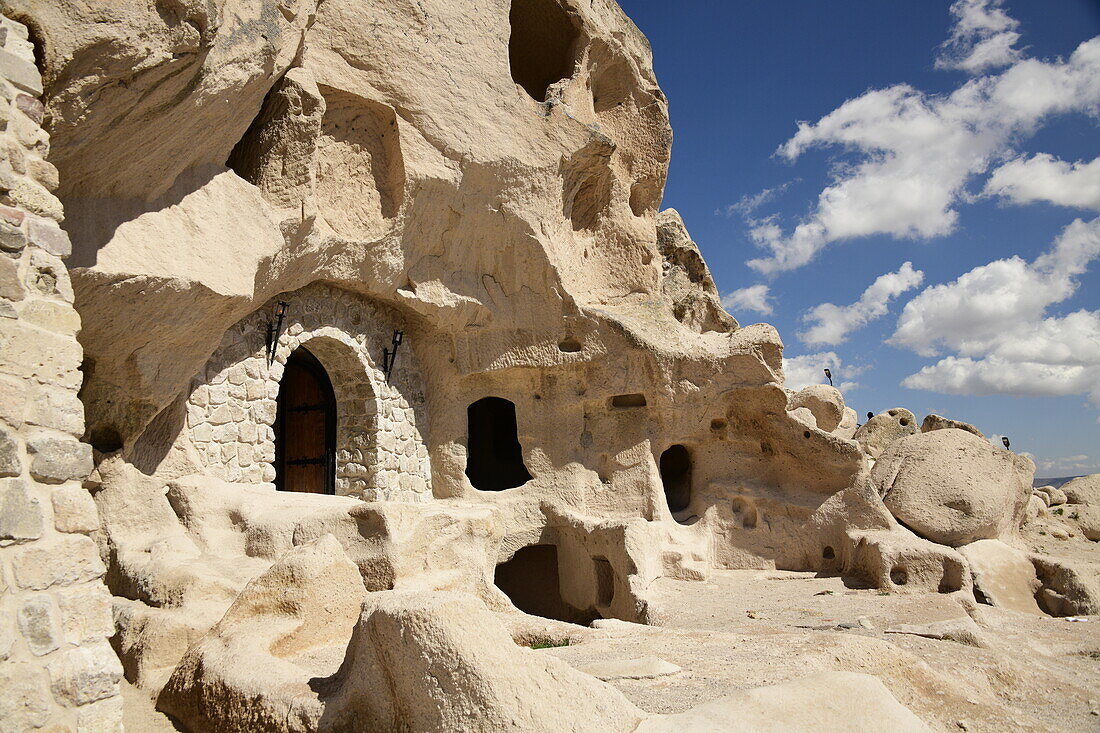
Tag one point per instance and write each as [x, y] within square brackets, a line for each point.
[1003, 576]
[952, 487]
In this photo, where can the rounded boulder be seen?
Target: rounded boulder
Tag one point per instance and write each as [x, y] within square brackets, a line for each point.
[952, 487]
[825, 402]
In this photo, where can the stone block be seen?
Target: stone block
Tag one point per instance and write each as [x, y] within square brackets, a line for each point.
[86, 614]
[20, 72]
[21, 515]
[54, 316]
[31, 107]
[11, 216]
[60, 409]
[13, 401]
[11, 463]
[203, 433]
[12, 237]
[39, 623]
[29, 352]
[56, 460]
[74, 510]
[49, 236]
[47, 275]
[59, 560]
[104, 716]
[25, 702]
[86, 674]
[11, 287]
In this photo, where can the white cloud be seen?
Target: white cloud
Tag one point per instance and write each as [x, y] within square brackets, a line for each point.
[749, 203]
[982, 39]
[1066, 466]
[916, 152]
[1045, 178]
[994, 320]
[833, 323]
[755, 298]
[802, 371]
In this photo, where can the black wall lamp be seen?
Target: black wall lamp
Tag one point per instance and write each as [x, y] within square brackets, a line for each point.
[274, 329]
[388, 356]
[830, 377]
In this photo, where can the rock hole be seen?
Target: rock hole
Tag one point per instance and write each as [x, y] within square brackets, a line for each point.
[531, 581]
[494, 459]
[105, 438]
[628, 400]
[806, 434]
[569, 345]
[605, 581]
[828, 553]
[676, 477]
[540, 47]
[899, 576]
[718, 424]
[903, 421]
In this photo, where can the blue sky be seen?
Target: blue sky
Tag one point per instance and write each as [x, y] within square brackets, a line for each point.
[959, 138]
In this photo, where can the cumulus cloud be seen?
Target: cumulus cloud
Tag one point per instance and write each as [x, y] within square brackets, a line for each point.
[983, 37]
[802, 371]
[993, 318]
[831, 324]
[1043, 177]
[755, 298]
[915, 152]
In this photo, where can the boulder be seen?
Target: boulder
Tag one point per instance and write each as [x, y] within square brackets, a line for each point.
[883, 429]
[939, 422]
[1003, 576]
[952, 487]
[253, 671]
[442, 661]
[1083, 490]
[824, 401]
[848, 424]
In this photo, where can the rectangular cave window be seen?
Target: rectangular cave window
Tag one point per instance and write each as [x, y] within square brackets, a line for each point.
[628, 400]
[494, 459]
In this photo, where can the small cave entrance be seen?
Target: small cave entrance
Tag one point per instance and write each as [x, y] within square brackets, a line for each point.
[494, 460]
[530, 580]
[305, 427]
[540, 47]
[676, 476]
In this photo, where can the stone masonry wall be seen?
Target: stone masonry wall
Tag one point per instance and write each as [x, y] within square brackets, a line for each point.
[57, 668]
[380, 451]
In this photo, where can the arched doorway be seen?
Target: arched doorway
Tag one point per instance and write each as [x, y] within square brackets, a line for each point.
[676, 477]
[305, 427]
[494, 460]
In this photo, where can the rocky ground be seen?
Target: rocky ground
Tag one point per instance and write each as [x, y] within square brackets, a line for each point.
[746, 628]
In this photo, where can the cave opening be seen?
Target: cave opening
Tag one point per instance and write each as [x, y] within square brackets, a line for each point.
[676, 477]
[540, 47]
[494, 459]
[531, 581]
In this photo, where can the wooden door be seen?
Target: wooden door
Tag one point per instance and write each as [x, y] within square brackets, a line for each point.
[305, 428]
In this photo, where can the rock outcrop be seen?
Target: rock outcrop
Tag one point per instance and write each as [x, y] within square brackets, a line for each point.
[953, 488]
[880, 431]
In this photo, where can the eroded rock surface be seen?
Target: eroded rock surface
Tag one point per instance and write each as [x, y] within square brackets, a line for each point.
[952, 487]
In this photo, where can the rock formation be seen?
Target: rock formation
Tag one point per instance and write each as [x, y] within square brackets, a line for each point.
[389, 365]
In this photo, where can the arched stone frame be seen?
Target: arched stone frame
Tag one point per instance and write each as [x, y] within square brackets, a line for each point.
[357, 407]
[381, 452]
